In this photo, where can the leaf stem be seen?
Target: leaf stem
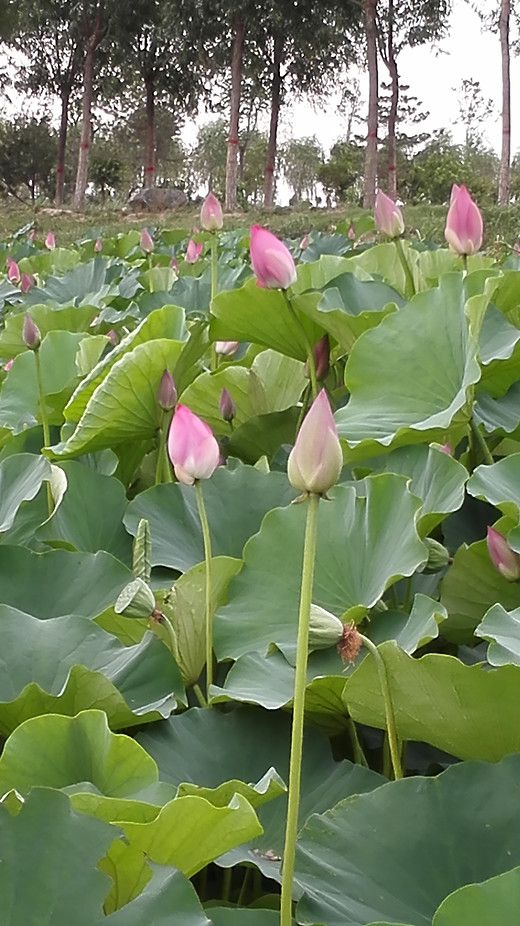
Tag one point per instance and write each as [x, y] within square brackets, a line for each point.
[410, 285]
[308, 346]
[45, 423]
[389, 709]
[209, 603]
[479, 438]
[200, 697]
[214, 289]
[357, 749]
[309, 556]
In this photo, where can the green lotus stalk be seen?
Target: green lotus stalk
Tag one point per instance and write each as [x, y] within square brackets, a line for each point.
[209, 585]
[291, 829]
[410, 285]
[480, 441]
[389, 709]
[32, 339]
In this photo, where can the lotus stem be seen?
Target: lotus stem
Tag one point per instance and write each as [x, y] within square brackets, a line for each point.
[45, 423]
[389, 709]
[410, 285]
[209, 602]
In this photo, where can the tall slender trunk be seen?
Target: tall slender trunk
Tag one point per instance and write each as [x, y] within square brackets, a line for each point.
[93, 34]
[394, 101]
[59, 197]
[504, 176]
[369, 190]
[149, 167]
[276, 88]
[236, 81]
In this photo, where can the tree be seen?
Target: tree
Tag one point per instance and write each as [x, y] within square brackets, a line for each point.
[504, 177]
[340, 175]
[474, 109]
[27, 153]
[302, 159]
[94, 27]
[441, 163]
[370, 177]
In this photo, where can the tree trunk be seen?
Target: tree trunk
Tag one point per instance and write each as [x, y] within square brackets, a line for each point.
[394, 101]
[236, 80]
[149, 167]
[504, 176]
[369, 191]
[93, 37]
[276, 87]
[59, 197]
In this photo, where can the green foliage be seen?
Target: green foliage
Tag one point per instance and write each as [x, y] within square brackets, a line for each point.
[27, 157]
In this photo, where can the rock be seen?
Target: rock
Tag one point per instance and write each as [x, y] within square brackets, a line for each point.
[157, 199]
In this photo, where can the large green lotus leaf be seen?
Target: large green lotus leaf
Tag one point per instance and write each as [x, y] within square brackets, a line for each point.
[21, 477]
[364, 543]
[502, 414]
[203, 396]
[439, 700]
[435, 477]
[498, 337]
[269, 787]
[368, 860]
[90, 517]
[264, 435]
[185, 605]
[68, 664]
[350, 306]
[166, 322]
[59, 259]
[433, 264]
[502, 629]
[470, 587]
[410, 631]
[383, 261]
[68, 318]
[426, 364]
[499, 375]
[243, 916]
[55, 882]
[19, 401]
[85, 284]
[499, 484]
[124, 406]
[496, 900]
[208, 747]
[317, 274]
[168, 899]
[190, 832]
[236, 500]
[252, 313]
[61, 582]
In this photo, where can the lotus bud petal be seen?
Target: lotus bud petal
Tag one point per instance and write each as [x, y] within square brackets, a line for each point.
[351, 234]
[50, 241]
[13, 272]
[226, 348]
[322, 357]
[27, 282]
[503, 557]
[464, 227]
[167, 393]
[98, 245]
[325, 629]
[146, 241]
[193, 251]
[113, 336]
[271, 260]
[31, 333]
[211, 217]
[227, 406]
[136, 600]
[438, 556]
[174, 263]
[446, 448]
[193, 450]
[304, 243]
[316, 459]
[8, 365]
[388, 216]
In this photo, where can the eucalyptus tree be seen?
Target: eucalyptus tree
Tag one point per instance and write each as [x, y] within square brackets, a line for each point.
[301, 160]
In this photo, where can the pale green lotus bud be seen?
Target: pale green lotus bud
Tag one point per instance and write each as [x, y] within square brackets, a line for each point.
[136, 600]
[325, 629]
[438, 556]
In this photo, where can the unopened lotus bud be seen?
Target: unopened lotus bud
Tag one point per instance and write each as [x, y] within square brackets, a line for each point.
[31, 333]
[227, 406]
[351, 234]
[8, 365]
[98, 245]
[193, 251]
[174, 263]
[388, 216]
[13, 272]
[211, 217]
[304, 243]
[325, 629]
[167, 393]
[226, 348]
[516, 249]
[27, 282]
[316, 460]
[464, 227]
[503, 557]
[50, 241]
[438, 556]
[322, 357]
[146, 241]
[136, 600]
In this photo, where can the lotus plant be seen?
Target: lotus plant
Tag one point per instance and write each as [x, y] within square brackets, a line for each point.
[50, 241]
[166, 399]
[193, 251]
[502, 556]
[32, 339]
[211, 217]
[464, 226]
[389, 221]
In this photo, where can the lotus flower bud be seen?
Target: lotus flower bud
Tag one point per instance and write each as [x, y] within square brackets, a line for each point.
[446, 448]
[31, 333]
[316, 459]
[464, 226]
[211, 217]
[271, 260]
[136, 600]
[388, 216]
[321, 358]
[8, 365]
[98, 245]
[174, 263]
[226, 405]
[146, 241]
[325, 629]
[167, 393]
[27, 282]
[50, 241]
[192, 448]
[438, 556]
[226, 348]
[304, 243]
[351, 234]
[113, 336]
[193, 251]
[503, 557]
[13, 272]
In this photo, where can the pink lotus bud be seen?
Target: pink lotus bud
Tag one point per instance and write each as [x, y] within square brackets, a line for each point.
[503, 557]
[27, 282]
[388, 216]
[13, 272]
[446, 448]
[31, 333]
[316, 459]
[50, 241]
[174, 263]
[98, 245]
[211, 217]
[226, 348]
[167, 393]
[32, 235]
[114, 337]
[464, 226]
[516, 249]
[192, 448]
[146, 241]
[196, 229]
[322, 357]
[8, 365]
[226, 405]
[193, 251]
[351, 234]
[304, 243]
[271, 260]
